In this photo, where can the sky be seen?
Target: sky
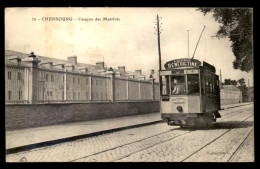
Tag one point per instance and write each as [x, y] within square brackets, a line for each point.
[129, 40]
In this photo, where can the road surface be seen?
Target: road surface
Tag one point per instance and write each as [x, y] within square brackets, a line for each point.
[230, 139]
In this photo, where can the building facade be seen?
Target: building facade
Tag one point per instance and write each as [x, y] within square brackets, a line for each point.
[230, 94]
[37, 79]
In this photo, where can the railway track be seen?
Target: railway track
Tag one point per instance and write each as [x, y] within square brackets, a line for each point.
[188, 131]
[216, 139]
[240, 146]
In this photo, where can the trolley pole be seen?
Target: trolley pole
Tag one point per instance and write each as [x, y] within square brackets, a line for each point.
[198, 43]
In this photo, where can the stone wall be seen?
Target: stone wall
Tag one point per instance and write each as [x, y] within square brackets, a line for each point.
[33, 115]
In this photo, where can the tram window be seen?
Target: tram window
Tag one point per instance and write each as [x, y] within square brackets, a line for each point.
[178, 85]
[203, 85]
[207, 86]
[165, 85]
[216, 86]
[193, 84]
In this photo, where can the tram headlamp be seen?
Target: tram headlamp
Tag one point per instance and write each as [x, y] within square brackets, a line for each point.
[179, 108]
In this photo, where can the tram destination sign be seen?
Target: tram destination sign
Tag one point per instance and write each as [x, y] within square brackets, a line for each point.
[182, 63]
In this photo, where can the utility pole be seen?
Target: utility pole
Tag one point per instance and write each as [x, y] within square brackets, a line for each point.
[248, 91]
[159, 49]
[220, 83]
[188, 45]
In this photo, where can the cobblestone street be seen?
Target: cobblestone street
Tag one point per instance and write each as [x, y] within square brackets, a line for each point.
[231, 138]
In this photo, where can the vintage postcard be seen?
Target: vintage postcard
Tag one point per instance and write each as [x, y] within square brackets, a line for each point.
[121, 84]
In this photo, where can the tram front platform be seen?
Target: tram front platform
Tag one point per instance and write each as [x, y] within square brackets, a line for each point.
[25, 139]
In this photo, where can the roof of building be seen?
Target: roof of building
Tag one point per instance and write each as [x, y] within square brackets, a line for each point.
[251, 88]
[95, 69]
[230, 87]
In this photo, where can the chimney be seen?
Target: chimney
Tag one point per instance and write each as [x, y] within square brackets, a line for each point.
[117, 74]
[32, 55]
[101, 65]
[72, 60]
[151, 72]
[121, 68]
[139, 72]
[69, 67]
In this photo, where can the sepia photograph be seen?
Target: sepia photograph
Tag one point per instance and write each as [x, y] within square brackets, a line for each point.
[129, 84]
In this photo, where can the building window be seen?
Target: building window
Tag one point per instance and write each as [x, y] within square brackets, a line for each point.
[63, 78]
[62, 95]
[73, 80]
[19, 76]
[74, 95]
[78, 95]
[20, 94]
[86, 81]
[9, 95]
[9, 75]
[78, 81]
[96, 82]
[46, 77]
[49, 93]
[52, 78]
[86, 95]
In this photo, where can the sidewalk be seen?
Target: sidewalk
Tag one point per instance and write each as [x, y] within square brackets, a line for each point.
[228, 106]
[64, 132]
[41, 136]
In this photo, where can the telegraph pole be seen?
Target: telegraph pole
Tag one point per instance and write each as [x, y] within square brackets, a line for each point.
[159, 49]
[220, 83]
[248, 90]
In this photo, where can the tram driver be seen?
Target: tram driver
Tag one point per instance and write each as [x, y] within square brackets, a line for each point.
[177, 86]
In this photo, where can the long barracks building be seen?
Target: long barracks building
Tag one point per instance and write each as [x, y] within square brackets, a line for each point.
[38, 79]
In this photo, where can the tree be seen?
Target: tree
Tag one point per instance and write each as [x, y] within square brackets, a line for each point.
[236, 24]
[230, 82]
[243, 88]
[241, 82]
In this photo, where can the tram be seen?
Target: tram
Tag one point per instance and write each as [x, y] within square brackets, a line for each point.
[190, 94]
